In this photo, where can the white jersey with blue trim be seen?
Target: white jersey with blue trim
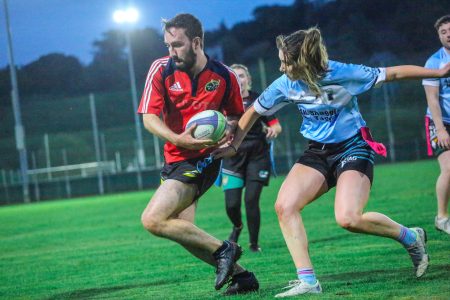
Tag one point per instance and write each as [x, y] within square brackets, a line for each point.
[333, 116]
[437, 61]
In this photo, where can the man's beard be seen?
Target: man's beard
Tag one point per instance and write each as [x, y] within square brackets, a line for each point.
[187, 63]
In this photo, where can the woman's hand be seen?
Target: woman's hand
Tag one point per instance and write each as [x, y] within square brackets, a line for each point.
[443, 138]
[224, 151]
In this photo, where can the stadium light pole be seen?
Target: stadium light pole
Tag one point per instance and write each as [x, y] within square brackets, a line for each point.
[19, 130]
[130, 16]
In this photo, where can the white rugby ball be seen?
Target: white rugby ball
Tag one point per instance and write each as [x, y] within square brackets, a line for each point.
[211, 124]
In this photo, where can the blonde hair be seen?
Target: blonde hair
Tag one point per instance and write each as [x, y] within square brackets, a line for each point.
[245, 69]
[305, 51]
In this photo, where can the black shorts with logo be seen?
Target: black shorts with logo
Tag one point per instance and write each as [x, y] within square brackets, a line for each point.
[251, 163]
[201, 171]
[433, 148]
[333, 159]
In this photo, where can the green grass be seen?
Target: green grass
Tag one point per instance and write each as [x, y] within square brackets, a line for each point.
[95, 248]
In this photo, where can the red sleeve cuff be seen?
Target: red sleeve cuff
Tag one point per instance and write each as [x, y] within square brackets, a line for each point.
[273, 122]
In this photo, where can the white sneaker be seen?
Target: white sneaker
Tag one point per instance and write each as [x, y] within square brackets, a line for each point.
[299, 287]
[442, 224]
[418, 252]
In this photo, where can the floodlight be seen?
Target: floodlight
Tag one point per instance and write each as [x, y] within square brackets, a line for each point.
[119, 16]
[132, 15]
[129, 15]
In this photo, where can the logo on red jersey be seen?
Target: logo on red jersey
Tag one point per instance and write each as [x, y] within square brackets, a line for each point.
[212, 85]
[176, 87]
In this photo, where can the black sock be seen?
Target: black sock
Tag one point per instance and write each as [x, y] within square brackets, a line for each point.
[252, 194]
[233, 206]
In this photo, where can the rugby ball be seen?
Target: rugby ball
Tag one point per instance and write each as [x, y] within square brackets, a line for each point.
[211, 124]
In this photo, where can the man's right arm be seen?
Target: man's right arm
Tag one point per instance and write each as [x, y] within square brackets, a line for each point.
[185, 139]
[432, 94]
[157, 127]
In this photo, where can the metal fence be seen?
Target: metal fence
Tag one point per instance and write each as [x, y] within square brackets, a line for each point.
[92, 157]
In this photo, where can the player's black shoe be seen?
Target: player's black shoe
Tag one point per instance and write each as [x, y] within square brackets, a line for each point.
[255, 248]
[234, 235]
[225, 258]
[242, 283]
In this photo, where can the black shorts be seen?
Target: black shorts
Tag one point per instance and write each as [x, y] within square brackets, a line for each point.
[201, 171]
[432, 140]
[333, 159]
[251, 163]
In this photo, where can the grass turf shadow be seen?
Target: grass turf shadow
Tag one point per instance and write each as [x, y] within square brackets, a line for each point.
[87, 293]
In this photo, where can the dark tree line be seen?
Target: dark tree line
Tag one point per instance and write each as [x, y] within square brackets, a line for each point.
[57, 74]
[354, 31]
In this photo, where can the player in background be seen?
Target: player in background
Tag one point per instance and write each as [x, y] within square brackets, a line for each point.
[437, 122]
[177, 87]
[340, 151]
[250, 168]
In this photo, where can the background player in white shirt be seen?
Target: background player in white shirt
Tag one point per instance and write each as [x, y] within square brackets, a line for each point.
[437, 122]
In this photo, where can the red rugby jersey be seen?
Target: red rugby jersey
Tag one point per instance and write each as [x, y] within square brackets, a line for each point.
[178, 97]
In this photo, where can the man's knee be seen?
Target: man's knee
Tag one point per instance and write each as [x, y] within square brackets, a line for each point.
[152, 224]
[285, 209]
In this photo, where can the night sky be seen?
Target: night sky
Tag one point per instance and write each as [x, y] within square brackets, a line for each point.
[40, 27]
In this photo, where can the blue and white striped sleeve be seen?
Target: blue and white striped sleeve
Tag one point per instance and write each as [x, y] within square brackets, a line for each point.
[273, 98]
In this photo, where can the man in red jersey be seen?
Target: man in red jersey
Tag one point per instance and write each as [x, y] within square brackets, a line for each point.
[178, 87]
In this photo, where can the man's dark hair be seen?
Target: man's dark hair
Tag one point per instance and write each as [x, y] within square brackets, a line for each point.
[192, 26]
[442, 20]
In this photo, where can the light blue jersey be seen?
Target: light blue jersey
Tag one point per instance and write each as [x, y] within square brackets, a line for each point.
[437, 61]
[332, 117]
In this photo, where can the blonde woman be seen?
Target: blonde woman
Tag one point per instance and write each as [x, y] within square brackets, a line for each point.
[341, 150]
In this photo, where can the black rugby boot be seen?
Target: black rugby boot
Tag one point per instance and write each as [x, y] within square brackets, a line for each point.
[242, 283]
[225, 258]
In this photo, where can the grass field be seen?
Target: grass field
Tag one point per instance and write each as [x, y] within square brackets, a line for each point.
[96, 248]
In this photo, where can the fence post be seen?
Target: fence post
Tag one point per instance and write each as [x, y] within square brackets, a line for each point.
[47, 156]
[262, 73]
[157, 151]
[5, 185]
[103, 146]
[66, 175]
[37, 192]
[139, 171]
[96, 144]
[11, 176]
[118, 162]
